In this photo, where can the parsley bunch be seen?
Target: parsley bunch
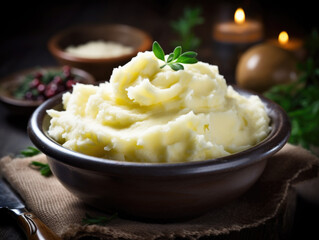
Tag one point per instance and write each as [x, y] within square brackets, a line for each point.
[300, 99]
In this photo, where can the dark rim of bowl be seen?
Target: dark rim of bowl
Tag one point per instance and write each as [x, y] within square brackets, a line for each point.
[56, 50]
[276, 139]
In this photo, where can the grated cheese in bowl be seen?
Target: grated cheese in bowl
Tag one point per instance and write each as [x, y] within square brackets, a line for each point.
[99, 49]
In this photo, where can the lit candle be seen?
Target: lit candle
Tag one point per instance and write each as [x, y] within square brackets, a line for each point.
[283, 38]
[240, 30]
[239, 16]
[231, 39]
[294, 45]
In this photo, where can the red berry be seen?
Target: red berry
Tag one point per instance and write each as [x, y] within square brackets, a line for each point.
[41, 87]
[57, 80]
[49, 93]
[35, 83]
[69, 84]
[52, 86]
[51, 90]
[28, 95]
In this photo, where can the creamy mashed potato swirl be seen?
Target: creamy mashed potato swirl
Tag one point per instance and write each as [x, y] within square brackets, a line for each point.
[148, 114]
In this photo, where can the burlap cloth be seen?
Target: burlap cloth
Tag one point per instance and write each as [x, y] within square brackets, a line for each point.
[63, 212]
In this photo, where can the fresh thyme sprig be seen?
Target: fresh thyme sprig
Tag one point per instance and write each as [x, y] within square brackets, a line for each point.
[102, 220]
[176, 58]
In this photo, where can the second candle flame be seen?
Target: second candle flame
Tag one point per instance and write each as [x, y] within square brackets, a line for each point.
[239, 16]
[283, 37]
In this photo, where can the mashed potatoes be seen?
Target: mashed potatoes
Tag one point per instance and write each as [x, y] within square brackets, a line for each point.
[148, 114]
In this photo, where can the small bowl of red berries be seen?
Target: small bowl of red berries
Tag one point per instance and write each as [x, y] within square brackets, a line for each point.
[24, 91]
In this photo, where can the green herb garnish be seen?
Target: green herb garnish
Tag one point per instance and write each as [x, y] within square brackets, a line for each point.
[300, 99]
[44, 168]
[102, 220]
[30, 151]
[184, 27]
[176, 58]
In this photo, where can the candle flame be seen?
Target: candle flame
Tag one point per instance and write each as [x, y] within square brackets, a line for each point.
[239, 16]
[283, 37]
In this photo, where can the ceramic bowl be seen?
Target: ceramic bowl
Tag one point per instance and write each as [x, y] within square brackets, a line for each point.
[100, 68]
[25, 107]
[158, 192]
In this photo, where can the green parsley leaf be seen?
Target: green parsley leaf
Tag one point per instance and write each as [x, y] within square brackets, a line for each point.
[158, 51]
[189, 54]
[177, 52]
[176, 66]
[187, 60]
[170, 57]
